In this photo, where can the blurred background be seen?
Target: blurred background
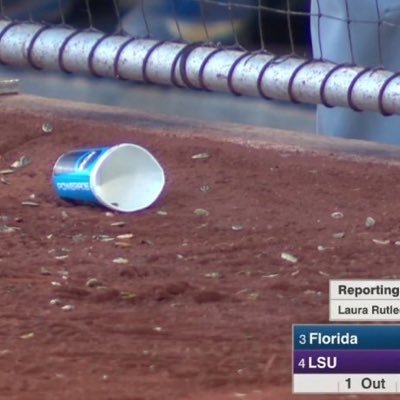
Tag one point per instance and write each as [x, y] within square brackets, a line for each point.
[277, 26]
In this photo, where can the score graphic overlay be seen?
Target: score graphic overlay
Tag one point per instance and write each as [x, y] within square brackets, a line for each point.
[346, 358]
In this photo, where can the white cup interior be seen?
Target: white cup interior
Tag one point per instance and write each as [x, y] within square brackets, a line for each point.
[127, 178]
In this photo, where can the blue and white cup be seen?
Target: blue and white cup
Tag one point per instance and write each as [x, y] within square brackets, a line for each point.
[123, 178]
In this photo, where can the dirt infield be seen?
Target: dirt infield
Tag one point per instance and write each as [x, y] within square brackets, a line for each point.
[203, 306]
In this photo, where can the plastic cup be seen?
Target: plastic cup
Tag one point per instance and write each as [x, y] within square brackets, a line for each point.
[123, 178]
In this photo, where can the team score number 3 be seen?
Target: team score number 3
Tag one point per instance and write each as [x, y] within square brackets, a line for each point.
[302, 339]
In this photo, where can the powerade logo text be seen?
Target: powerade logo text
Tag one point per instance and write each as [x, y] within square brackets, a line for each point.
[74, 186]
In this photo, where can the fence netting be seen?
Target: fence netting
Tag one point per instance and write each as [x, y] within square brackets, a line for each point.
[249, 24]
[270, 48]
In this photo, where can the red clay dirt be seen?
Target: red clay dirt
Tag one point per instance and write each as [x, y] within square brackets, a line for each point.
[203, 308]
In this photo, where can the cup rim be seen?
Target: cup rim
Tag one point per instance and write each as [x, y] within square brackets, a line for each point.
[99, 162]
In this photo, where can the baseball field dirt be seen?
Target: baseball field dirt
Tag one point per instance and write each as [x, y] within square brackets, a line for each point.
[194, 300]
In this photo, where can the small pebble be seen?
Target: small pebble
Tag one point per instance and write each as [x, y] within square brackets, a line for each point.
[106, 239]
[64, 214]
[289, 257]
[158, 329]
[125, 236]
[29, 335]
[62, 257]
[92, 282]
[47, 128]
[7, 229]
[102, 238]
[322, 248]
[382, 242]
[22, 162]
[6, 171]
[44, 271]
[120, 260]
[237, 227]
[63, 273]
[55, 302]
[25, 160]
[339, 235]
[30, 203]
[162, 213]
[68, 307]
[122, 244]
[253, 296]
[213, 275]
[204, 188]
[109, 214]
[369, 222]
[78, 238]
[128, 296]
[201, 212]
[50, 236]
[118, 223]
[4, 181]
[200, 156]
[337, 215]
[270, 276]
